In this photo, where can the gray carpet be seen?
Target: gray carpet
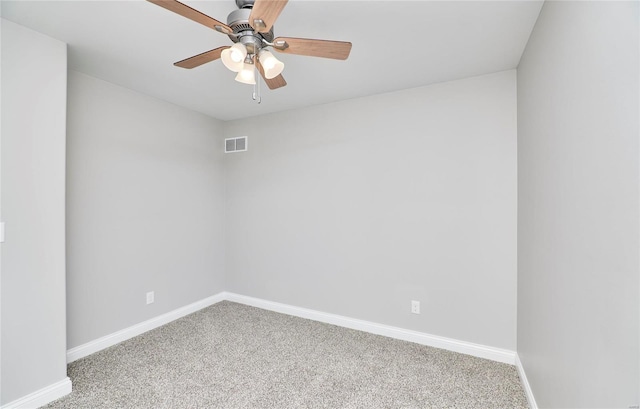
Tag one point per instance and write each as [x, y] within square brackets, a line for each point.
[234, 356]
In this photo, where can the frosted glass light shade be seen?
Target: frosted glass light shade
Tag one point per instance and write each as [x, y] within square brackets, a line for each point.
[271, 65]
[233, 57]
[246, 75]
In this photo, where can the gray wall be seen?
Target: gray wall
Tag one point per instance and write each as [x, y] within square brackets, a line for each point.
[145, 208]
[34, 70]
[358, 207]
[578, 205]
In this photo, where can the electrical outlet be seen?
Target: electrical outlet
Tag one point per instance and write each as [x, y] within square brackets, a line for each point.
[150, 297]
[415, 307]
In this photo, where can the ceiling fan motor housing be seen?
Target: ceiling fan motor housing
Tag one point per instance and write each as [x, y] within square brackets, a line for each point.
[238, 20]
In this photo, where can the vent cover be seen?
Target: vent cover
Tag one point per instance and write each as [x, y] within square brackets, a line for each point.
[239, 144]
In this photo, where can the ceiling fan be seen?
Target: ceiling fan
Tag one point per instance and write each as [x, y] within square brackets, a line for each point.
[251, 29]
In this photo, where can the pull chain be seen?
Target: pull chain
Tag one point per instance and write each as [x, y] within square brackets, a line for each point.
[256, 87]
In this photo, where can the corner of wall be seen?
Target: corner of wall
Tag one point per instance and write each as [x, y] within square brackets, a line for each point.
[525, 383]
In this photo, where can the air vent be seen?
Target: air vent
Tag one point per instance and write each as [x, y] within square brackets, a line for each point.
[239, 144]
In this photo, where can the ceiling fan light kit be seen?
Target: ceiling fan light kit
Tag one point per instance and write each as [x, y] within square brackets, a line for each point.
[271, 65]
[251, 29]
[233, 57]
[247, 74]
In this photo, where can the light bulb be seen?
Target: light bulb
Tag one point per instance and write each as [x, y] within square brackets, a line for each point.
[246, 75]
[271, 65]
[236, 55]
[233, 57]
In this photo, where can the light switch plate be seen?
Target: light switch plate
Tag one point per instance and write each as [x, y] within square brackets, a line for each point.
[1, 232]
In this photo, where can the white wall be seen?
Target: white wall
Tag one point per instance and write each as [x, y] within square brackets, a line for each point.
[145, 208]
[358, 207]
[34, 70]
[578, 205]
[1, 20]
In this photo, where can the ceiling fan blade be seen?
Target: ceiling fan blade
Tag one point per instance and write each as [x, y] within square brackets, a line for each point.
[273, 83]
[200, 59]
[193, 14]
[338, 50]
[265, 13]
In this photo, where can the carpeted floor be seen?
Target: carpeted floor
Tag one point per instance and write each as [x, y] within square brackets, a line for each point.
[234, 356]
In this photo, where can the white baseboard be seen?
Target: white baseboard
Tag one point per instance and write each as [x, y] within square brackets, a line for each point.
[481, 351]
[112, 339]
[469, 348]
[62, 388]
[525, 384]
[42, 397]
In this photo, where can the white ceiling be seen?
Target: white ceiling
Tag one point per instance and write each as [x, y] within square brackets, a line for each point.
[396, 45]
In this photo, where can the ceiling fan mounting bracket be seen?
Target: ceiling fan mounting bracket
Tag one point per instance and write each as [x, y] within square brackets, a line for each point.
[242, 4]
[223, 30]
[259, 24]
[280, 45]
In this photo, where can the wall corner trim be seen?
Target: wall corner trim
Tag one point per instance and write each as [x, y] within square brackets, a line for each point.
[43, 396]
[525, 384]
[480, 351]
[101, 343]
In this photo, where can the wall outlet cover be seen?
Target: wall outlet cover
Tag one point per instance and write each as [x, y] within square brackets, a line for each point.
[415, 307]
